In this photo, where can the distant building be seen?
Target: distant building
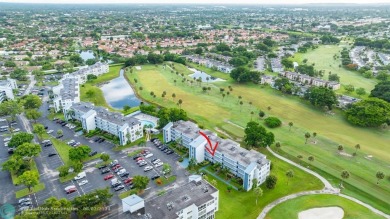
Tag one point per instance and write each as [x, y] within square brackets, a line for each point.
[248, 165]
[276, 65]
[6, 89]
[312, 81]
[196, 199]
[344, 101]
[127, 129]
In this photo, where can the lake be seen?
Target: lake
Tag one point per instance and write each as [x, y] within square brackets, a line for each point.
[85, 55]
[118, 93]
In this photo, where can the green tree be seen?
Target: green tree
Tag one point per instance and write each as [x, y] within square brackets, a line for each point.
[105, 157]
[126, 108]
[140, 182]
[382, 91]
[77, 166]
[307, 136]
[166, 168]
[33, 114]
[349, 88]
[270, 181]
[79, 153]
[10, 108]
[290, 124]
[272, 122]
[340, 148]
[29, 179]
[379, 175]
[28, 150]
[382, 76]
[59, 132]
[261, 114]
[256, 135]
[20, 138]
[360, 91]
[290, 175]
[39, 129]
[87, 202]
[344, 176]
[311, 158]
[321, 97]
[258, 192]
[91, 77]
[357, 147]
[63, 205]
[371, 112]
[31, 102]
[13, 164]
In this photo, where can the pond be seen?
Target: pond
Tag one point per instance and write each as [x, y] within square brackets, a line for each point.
[118, 93]
[199, 74]
[85, 55]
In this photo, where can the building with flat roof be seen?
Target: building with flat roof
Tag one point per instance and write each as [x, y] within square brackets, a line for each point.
[7, 89]
[248, 165]
[127, 129]
[67, 91]
[196, 199]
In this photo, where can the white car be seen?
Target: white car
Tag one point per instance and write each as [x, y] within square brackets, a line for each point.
[156, 161]
[7, 139]
[71, 142]
[16, 130]
[149, 155]
[6, 144]
[159, 164]
[83, 182]
[50, 131]
[147, 168]
[3, 120]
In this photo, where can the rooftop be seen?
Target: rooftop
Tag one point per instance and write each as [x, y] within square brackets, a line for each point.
[167, 205]
[190, 129]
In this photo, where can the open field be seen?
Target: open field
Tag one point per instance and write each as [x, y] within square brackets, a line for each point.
[211, 111]
[323, 59]
[291, 208]
[237, 204]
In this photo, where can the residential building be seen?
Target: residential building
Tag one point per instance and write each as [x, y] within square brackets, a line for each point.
[127, 129]
[344, 101]
[7, 89]
[312, 81]
[267, 79]
[276, 65]
[68, 90]
[197, 199]
[248, 165]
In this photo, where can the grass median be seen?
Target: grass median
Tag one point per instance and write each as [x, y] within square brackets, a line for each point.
[24, 192]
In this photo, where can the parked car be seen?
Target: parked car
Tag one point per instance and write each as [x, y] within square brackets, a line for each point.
[119, 169]
[105, 171]
[48, 144]
[26, 203]
[136, 157]
[139, 159]
[124, 174]
[113, 163]
[128, 180]
[170, 152]
[102, 166]
[71, 191]
[60, 136]
[154, 177]
[24, 200]
[101, 140]
[156, 161]
[116, 167]
[80, 175]
[119, 187]
[7, 139]
[52, 154]
[10, 150]
[149, 155]
[24, 208]
[142, 164]
[83, 182]
[147, 168]
[158, 164]
[110, 176]
[93, 153]
[117, 183]
[97, 139]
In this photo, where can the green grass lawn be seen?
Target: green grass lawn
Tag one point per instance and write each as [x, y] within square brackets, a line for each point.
[291, 208]
[68, 177]
[323, 59]
[127, 193]
[211, 111]
[112, 73]
[236, 204]
[209, 71]
[24, 192]
[165, 181]
[97, 98]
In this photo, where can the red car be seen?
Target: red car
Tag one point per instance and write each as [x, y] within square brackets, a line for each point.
[109, 176]
[69, 191]
[140, 158]
[116, 167]
[128, 180]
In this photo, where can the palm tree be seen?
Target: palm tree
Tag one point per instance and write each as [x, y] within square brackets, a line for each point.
[340, 148]
[289, 174]
[379, 175]
[151, 93]
[290, 124]
[269, 107]
[314, 134]
[173, 96]
[357, 147]
[261, 114]
[179, 103]
[300, 158]
[278, 145]
[207, 79]
[70, 114]
[174, 81]
[344, 175]
[250, 103]
[227, 93]
[223, 96]
[307, 136]
[141, 88]
[258, 192]
[252, 114]
[311, 158]
[239, 98]
[241, 105]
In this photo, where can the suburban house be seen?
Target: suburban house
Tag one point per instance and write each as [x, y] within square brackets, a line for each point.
[6, 89]
[312, 81]
[196, 199]
[127, 129]
[247, 165]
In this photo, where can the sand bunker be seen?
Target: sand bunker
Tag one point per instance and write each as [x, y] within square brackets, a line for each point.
[322, 213]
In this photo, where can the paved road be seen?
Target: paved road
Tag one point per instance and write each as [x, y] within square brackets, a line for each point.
[328, 189]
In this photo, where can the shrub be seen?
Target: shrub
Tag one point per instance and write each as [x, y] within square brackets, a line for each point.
[63, 171]
[159, 181]
[181, 159]
[272, 122]
[270, 181]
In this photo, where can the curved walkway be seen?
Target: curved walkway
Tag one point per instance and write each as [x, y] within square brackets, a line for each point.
[328, 189]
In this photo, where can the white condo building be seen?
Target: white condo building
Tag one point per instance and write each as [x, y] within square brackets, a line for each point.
[7, 89]
[196, 199]
[127, 129]
[68, 90]
[248, 165]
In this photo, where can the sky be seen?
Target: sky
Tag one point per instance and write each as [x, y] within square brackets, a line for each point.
[198, 1]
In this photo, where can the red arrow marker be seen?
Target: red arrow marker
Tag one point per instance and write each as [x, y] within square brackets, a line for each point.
[210, 149]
